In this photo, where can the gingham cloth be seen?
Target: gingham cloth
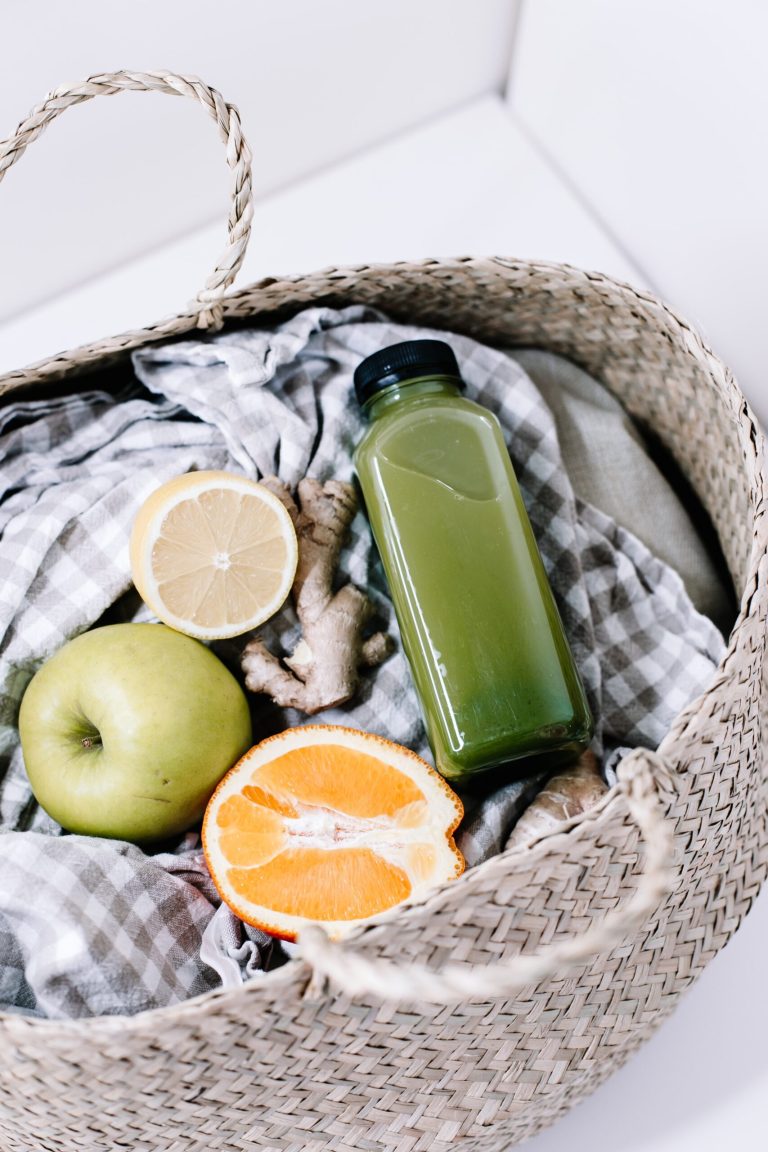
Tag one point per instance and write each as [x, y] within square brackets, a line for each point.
[99, 935]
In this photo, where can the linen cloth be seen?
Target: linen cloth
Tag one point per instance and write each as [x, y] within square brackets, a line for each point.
[76, 470]
[611, 465]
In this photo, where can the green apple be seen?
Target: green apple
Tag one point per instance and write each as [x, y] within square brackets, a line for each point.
[127, 729]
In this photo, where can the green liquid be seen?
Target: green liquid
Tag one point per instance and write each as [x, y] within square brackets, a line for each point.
[486, 647]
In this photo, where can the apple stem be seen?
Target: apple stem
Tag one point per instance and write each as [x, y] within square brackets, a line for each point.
[90, 741]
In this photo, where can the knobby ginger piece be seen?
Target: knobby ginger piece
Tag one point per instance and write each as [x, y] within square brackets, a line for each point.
[323, 670]
[570, 792]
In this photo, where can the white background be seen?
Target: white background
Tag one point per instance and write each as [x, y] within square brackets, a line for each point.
[314, 83]
[623, 137]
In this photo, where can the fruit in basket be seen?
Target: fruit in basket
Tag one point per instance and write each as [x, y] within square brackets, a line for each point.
[127, 729]
[213, 554]
[328, 825]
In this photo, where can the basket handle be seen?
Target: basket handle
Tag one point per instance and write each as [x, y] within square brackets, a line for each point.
[207, 303]
[357, 975]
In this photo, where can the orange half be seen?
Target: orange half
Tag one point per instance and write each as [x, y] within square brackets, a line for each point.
[330, 825]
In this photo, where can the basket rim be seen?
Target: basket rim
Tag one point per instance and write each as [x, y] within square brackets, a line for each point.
[68, 362]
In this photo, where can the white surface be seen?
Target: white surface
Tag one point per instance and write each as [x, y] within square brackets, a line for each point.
[313, 82]
[467, 183]
[471, 183]
[656, 114]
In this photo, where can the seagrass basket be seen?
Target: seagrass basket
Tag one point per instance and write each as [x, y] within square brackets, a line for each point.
[476, 1018]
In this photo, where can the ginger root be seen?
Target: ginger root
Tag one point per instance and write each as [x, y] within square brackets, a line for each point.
[569, 792]
[323, 669]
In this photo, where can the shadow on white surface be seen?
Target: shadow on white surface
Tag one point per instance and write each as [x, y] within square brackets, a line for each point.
[702, 1074]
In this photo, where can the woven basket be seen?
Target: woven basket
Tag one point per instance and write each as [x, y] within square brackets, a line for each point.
[538, 972]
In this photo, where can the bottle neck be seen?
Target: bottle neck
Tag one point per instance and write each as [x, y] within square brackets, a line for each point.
[410, 390]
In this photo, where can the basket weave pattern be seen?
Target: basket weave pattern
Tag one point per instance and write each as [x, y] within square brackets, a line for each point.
[283, 1064]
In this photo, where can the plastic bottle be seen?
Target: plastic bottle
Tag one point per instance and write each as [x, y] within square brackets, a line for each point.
[490, 660]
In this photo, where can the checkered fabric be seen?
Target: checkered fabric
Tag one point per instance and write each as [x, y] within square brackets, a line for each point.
[76, 470]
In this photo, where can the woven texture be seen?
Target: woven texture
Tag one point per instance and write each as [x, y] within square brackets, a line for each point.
[288, 1063]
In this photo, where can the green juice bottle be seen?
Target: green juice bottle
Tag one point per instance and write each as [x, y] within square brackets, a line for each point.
[490, 660]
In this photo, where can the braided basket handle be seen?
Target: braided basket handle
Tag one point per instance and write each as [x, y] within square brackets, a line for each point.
[207, 302]
[357, 975]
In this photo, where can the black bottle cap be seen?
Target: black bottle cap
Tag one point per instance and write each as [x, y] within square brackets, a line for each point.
[406, 361]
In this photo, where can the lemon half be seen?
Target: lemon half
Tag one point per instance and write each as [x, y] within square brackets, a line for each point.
[213, 554]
